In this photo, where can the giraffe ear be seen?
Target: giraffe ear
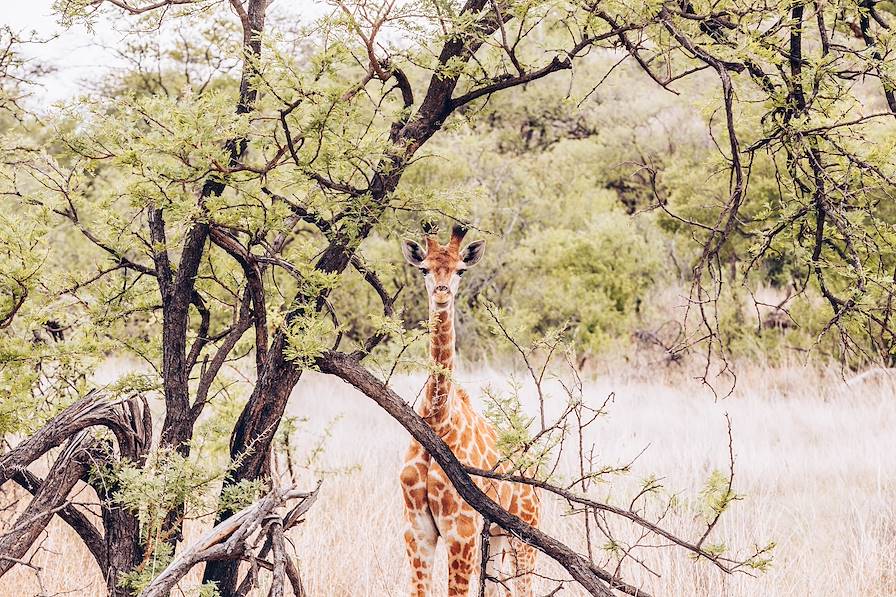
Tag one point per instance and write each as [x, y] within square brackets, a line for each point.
[413, 253]
[473, 252]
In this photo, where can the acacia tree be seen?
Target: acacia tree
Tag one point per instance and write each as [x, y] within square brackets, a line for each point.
[215, 224]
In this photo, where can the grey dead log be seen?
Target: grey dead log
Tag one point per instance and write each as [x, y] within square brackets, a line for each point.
[278, 557]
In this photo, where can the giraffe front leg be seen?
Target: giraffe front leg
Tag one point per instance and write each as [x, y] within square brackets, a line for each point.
[421, 535]
[420, 543]
[499, 567]
[462, 565]
[461, 534]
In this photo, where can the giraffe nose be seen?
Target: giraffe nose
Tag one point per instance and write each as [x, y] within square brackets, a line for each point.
[441, 289]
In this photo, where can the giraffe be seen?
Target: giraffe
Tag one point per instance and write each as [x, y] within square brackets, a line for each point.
[433, 508]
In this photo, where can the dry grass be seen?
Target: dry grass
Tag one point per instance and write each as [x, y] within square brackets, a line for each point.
[816, 463]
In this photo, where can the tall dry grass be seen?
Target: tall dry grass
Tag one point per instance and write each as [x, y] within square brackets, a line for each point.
[815, 464]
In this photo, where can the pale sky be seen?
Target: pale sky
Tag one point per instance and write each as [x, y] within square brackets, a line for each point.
[74, 53]
[77, 53]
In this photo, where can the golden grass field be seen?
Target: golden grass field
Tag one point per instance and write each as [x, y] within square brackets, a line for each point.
[815, 464]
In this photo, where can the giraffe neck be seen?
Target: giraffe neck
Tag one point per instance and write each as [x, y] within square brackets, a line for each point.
[441, 351]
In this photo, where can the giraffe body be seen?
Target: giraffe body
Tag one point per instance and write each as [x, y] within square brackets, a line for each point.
[433, 508]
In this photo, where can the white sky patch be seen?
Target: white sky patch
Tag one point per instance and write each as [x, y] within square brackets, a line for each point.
[80, 56]
[76, 54]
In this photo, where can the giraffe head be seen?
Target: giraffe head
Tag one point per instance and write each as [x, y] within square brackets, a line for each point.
[443, 265]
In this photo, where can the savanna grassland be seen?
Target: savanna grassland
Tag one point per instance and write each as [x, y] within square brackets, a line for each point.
[814, 471]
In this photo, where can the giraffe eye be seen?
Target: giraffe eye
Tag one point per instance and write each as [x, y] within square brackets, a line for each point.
[460, 272]
[424, 271]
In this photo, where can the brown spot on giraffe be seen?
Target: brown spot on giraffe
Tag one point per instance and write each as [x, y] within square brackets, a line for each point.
[449, 506]
[433, 509]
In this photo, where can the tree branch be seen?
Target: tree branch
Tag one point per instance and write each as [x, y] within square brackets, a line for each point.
[78, 522]
[594, 579]
[49, 499]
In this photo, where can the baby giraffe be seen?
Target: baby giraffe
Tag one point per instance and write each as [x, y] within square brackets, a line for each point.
[433, 508]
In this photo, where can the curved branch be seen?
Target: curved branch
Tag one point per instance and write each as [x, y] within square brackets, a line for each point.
[556, 64]
[17, 303]
[387, 300]
[92, 410]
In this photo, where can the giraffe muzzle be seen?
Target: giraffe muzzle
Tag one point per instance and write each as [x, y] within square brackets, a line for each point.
[441, 295]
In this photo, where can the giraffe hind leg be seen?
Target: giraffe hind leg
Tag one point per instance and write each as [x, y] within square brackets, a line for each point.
[499, 567]
[524, 566]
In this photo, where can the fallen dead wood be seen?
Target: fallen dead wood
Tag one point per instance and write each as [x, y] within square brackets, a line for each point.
[116, 547]
[235, 538]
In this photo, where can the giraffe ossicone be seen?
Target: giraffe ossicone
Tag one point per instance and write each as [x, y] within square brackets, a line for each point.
[433, 508]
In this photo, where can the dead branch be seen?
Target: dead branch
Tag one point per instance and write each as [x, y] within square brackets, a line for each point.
[73, 517]
[231, 539]
[49, 499]
[130, 425]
